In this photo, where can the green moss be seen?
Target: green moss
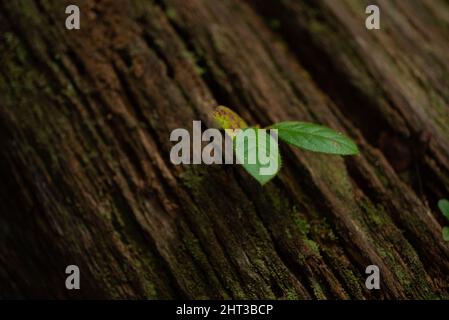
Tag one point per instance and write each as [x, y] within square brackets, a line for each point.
[279, 202]
[9, 38]
[189, 55]
[334, 173]
[438, 109]
[259, 263]
[353, 282]
[238, 293]
[383, 253]
[301, 259]
[171, 13]
[317, 290]
[318, 27]
[324, 230]
[274, 24]
[193, 246]
[402, 277]
[373, 213]
[192, 178]
[199, 70]
[313, 246]
[291, 295]
[69, 91]
[302, 224]
[150, 289]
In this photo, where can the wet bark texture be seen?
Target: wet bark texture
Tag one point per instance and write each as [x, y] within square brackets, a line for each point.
[85, 118]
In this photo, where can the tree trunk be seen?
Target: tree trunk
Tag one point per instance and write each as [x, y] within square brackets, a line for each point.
[86, 178]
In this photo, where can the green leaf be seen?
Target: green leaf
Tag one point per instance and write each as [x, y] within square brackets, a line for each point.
[315, 138]
[443, 204]
[260, 168]
[228, 119]
[446, 233]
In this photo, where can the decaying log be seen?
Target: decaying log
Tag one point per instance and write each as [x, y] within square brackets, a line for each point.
[86, 179]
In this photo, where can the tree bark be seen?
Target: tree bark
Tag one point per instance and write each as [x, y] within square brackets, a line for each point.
[86, 179]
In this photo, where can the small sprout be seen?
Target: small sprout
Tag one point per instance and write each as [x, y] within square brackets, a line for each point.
[443, 204]
[307, 136]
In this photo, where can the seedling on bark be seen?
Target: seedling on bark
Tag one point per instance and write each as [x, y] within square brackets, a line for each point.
[307, 136]
[443, 204]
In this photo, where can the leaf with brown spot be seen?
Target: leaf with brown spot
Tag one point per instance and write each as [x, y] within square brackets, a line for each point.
[228, 119]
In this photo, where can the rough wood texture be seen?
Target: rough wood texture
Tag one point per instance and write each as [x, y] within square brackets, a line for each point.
[85, 118]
